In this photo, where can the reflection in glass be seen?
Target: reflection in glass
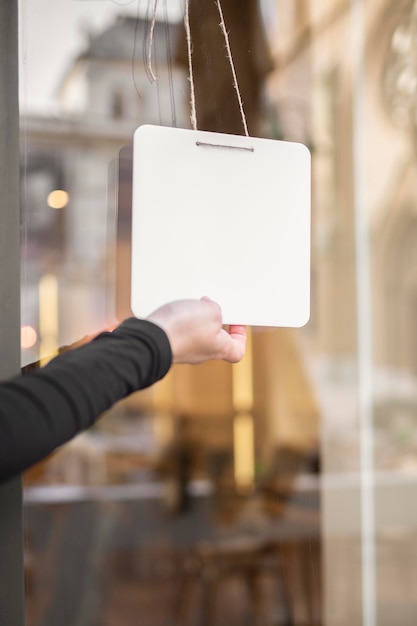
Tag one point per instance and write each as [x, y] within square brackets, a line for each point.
[198, 500]
[222, 495]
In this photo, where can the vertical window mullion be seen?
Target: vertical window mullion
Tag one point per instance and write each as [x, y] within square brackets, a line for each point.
[11, 544]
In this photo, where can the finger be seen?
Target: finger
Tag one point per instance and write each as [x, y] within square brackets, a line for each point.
[237, 329]
[234, 345]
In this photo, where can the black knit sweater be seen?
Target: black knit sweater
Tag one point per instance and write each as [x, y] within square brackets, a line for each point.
[43, 409]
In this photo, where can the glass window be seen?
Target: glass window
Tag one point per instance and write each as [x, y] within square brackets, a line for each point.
[281, 489]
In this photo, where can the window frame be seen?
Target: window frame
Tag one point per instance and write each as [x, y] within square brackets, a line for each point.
[11, 526]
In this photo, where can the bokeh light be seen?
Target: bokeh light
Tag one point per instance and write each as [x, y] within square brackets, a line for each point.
[58, 199]
[28, 337]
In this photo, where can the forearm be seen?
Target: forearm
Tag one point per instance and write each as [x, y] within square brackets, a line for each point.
[42, 410]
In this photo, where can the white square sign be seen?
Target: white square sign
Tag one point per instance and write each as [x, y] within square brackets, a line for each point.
[222, 216]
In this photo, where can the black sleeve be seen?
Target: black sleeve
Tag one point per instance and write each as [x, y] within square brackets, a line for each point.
[46, 408]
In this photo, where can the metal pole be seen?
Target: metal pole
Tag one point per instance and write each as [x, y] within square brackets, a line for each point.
[11, 533]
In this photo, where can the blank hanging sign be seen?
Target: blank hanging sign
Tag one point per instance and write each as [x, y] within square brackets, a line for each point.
[223, 216]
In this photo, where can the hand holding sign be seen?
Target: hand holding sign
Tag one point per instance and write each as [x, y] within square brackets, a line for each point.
[196, 334]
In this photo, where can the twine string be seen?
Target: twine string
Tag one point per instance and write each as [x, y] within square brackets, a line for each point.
[193, 114]
[222, 25]
[150, 43]
[232, 67]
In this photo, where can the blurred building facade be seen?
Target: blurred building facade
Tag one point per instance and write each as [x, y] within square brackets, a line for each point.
[314, 91]
[308, 96]
[104, 95]
[340, 77]
[345, 84]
